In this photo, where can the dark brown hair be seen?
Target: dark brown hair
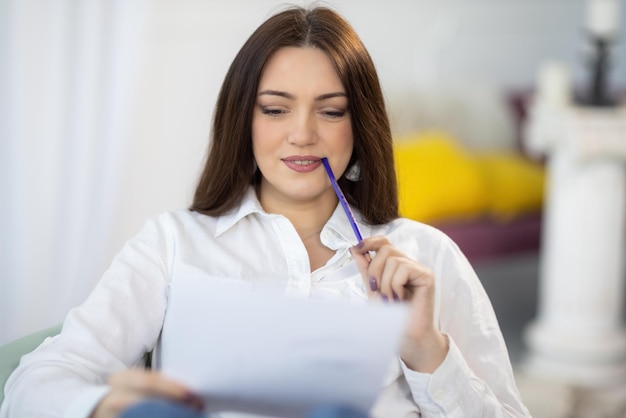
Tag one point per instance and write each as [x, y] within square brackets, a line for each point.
[230, 168]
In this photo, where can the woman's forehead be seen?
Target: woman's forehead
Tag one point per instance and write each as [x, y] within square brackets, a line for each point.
[300, 69]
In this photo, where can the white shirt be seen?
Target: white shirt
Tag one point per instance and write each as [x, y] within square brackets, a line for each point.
[122, 318]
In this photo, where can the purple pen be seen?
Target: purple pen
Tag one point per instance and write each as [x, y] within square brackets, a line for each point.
[342, 200]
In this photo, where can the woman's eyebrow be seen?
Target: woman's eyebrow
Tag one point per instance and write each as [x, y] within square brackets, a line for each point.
[292, 97]
[277, 93]
[330, 95]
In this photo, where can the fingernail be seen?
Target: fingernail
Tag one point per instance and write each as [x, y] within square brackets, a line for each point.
[194, 400]
[359, 245]
[373, 284]
[395, 296]
[384, 298]
[191, 397]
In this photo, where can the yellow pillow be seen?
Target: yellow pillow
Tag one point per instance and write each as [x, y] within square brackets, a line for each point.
[437, 179]
[514, 184]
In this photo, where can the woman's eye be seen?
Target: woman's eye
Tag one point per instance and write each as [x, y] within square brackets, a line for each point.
[271, 111]
[334, 114]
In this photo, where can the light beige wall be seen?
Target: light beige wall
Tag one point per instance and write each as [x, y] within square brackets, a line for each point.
[431, 46]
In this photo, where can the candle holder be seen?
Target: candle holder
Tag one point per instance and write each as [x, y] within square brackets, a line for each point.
[597, 92]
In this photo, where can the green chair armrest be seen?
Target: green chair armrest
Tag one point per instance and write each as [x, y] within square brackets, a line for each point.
[11, 353]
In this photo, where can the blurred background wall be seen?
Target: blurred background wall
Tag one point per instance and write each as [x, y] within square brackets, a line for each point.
[105, 110]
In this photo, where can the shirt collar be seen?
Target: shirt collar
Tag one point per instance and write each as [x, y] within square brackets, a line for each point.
[249, 204]
[336, 233]
[338, 229]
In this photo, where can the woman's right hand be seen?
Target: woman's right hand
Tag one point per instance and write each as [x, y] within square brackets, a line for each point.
[132, 386]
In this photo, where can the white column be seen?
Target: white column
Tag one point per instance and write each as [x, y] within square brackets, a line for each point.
[578, 336]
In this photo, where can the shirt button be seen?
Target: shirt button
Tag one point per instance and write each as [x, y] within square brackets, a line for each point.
[439, 396]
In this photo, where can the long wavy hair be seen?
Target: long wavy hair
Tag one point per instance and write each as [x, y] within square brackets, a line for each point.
[230, 167]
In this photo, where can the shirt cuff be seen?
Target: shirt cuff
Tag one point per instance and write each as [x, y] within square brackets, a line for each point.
[440, 390]
[83, 405]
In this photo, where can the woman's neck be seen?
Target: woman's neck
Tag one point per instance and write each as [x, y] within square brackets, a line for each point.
[308, 218]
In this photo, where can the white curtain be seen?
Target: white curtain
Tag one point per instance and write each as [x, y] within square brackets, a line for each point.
[68, 72]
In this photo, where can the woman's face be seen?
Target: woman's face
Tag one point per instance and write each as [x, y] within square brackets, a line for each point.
[301, 115]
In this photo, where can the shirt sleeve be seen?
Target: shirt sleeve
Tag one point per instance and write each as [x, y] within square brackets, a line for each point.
[112, 330]
[476, 378]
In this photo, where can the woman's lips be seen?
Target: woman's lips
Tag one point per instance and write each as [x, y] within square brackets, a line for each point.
[302, 164]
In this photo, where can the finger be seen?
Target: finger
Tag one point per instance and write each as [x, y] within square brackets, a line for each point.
[401, 283]
[154, 384]
[362, 262]
[373, 243]
[378, 265]
[388, 274]
[396, 278]
[401, 276]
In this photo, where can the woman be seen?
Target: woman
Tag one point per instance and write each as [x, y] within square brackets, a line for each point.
[303, 87]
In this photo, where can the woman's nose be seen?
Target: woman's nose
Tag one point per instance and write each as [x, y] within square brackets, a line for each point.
[303, 130]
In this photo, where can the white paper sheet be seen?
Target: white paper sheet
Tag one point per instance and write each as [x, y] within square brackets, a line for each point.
[258, 351]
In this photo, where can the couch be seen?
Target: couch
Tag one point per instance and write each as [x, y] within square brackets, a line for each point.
[462, 168]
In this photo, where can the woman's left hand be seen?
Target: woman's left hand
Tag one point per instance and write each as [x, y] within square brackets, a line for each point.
[392, 275]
